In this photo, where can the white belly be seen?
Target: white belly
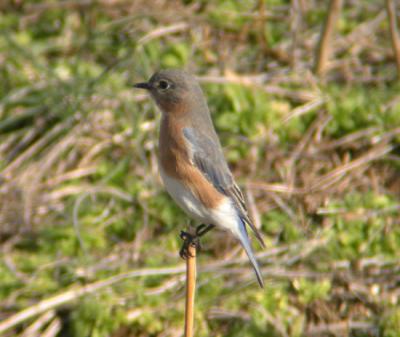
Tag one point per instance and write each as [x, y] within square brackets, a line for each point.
[225, 215]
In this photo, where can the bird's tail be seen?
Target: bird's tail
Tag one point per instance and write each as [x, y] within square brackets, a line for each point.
[244, 240]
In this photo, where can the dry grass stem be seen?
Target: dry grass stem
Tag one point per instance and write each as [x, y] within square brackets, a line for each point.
[334, 176]
[325, 42]
[53, 329]
[34, 329]
[163, 31]
[394, 32]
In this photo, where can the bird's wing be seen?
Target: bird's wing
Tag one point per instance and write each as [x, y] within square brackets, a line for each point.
[207, 156]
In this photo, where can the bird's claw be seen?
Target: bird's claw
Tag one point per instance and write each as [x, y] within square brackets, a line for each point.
[188, 240]
[193, 240]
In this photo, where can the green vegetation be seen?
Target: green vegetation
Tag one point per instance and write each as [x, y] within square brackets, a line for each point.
[82, 208]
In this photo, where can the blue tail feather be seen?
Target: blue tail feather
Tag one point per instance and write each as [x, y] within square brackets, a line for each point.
[244, 240]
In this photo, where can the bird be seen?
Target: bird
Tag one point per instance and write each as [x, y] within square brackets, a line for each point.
[191, 160]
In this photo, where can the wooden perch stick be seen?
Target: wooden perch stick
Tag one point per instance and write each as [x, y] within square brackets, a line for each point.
[190, 290]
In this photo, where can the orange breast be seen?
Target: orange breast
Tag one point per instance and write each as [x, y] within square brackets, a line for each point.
[175, 161]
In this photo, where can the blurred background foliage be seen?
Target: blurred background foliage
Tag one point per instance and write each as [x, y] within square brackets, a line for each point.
[89, 238]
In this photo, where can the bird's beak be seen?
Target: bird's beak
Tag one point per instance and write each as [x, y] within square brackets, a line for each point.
[143, 85]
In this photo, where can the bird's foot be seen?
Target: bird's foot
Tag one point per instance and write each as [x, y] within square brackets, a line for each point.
[190, 239]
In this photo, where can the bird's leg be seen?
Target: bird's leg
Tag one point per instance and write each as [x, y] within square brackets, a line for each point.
[193, 239]
[203, 229]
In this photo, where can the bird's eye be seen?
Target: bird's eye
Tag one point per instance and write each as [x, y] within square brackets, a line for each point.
[163, 85]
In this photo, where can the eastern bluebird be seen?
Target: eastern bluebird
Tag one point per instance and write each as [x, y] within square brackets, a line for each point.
[192, 164]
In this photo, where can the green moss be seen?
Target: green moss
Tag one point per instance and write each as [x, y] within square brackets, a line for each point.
[354, 108]
[96, 316]
[390, 323]
[364, 231]
[309, 291]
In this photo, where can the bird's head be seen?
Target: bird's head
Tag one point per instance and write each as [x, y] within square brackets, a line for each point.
[173, 90]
